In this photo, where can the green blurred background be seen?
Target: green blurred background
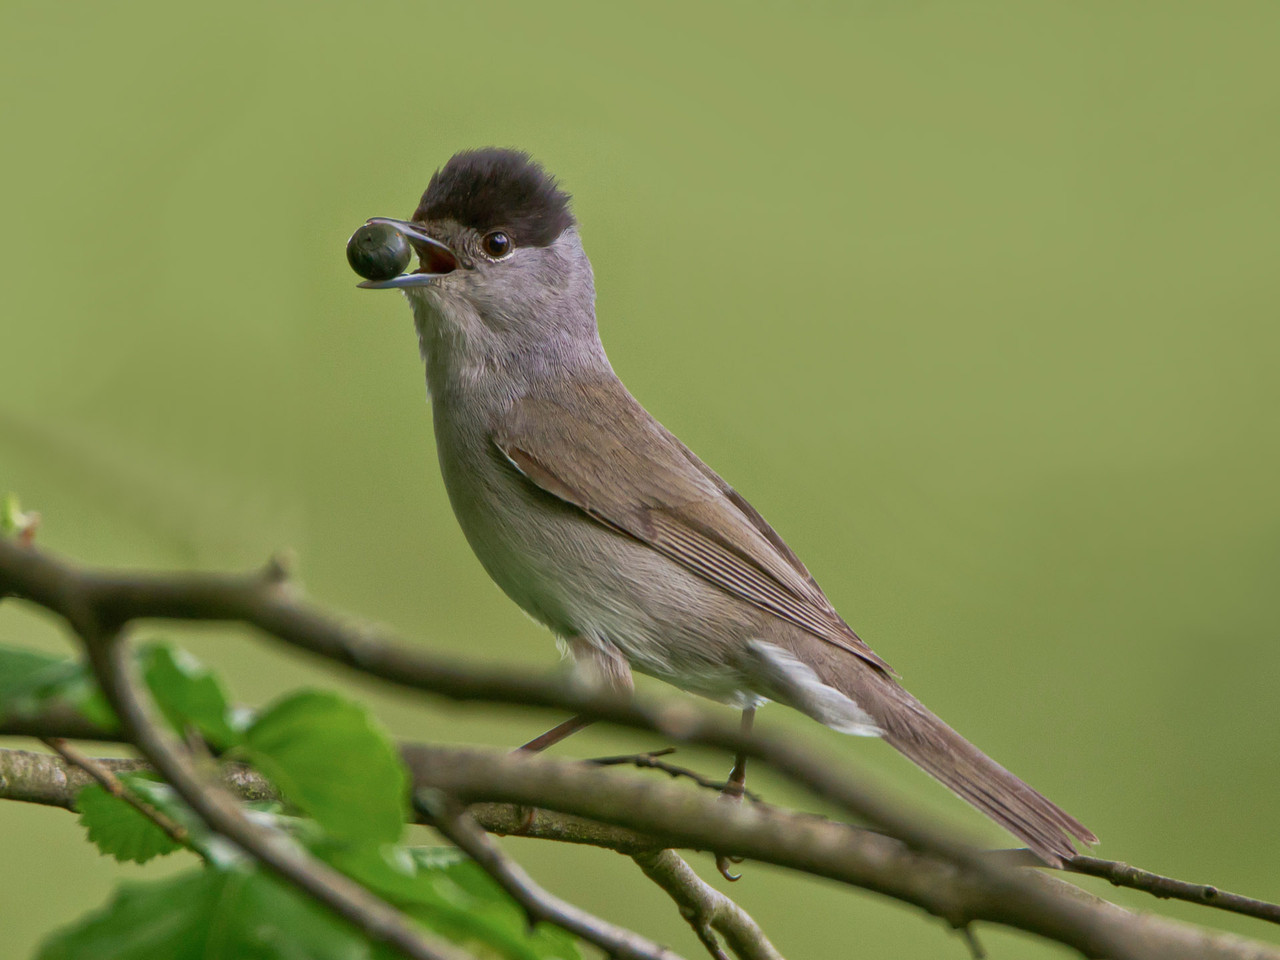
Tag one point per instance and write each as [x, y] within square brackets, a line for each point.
[976, 302]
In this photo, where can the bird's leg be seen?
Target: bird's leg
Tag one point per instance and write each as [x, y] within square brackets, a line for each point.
[603, 665]
[733, 790]
[737, 782]
[538, 744]
[557, 733]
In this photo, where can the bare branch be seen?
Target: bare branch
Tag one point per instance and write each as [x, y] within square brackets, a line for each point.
[933, 871]
[650, 761]
[1167, 888]
[56, 719]
[643, 817]
[458, 827]
[674, 816]
[114, 786]
[707, 909]
[506, 819]
[49, 781]
[971, 941]
[264, 602]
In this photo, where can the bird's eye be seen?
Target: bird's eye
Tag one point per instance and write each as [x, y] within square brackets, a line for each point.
[497, 244]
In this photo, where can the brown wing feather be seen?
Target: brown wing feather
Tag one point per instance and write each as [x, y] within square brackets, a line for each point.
[629, 473]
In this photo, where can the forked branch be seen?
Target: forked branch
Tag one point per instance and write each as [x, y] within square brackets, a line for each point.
[921, 866]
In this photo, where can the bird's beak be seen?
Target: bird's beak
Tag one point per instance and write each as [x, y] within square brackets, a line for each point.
[436, 258]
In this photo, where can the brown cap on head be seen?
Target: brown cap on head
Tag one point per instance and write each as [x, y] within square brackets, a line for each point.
[494, 188]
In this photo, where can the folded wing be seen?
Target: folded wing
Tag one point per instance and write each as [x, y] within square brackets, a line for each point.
[600, 451]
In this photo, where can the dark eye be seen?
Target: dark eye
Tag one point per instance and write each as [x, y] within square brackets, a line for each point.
[497, 244]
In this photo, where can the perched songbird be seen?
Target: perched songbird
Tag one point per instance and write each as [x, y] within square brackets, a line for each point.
[601, 524]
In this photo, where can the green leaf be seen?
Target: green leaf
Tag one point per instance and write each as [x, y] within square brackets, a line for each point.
[12, 517]
[211, 915]
[83, 693]
[450, 894]
[26, 673]
[337, 764]
[118, 829]
[9, 512]
[29, 680]
[187, 692]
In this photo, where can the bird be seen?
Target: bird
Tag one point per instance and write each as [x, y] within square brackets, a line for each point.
[601, 525]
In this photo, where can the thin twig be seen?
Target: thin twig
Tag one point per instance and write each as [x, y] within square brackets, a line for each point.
[373, 916]
[650, 761]
[1167, 888]
[64, 722]
[48, 780]
[706, 909]
[57, 718]
[971, 941]
[459, 828]
[263, 602]
[114, 786]
[985, 887]
[657, 815]
[1033, 900]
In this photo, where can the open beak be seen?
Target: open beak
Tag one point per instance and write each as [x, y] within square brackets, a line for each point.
[436, 259]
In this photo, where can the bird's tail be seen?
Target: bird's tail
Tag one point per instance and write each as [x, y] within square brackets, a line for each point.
[924, 739]
[860, 698]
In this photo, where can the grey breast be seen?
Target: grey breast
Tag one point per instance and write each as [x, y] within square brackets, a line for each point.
[581, 578]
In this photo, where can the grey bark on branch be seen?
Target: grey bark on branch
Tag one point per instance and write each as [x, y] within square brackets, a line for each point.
[819, 847]
[107, 779]
[708, 910]
[67, 723]
[927, 868]
[43, 779]
[457, 826]
[266, 602]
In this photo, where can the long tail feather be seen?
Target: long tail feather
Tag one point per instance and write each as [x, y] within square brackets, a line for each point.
[924, 739]
[852, 697]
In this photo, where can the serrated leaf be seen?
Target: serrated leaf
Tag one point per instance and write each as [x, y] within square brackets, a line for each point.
[188, 693]
[211, 915]
[450, 894]
[335, 762]
[119, 830]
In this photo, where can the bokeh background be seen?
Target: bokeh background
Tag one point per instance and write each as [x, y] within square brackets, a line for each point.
[976, 302]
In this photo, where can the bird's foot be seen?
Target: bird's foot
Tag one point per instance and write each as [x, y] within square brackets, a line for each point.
[526, 816]
[722, 864]
[732, 792]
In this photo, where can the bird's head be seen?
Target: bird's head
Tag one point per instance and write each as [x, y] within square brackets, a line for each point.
[500, 264]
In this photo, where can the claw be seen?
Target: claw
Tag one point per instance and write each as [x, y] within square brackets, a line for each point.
[732, 792]
[722, 864]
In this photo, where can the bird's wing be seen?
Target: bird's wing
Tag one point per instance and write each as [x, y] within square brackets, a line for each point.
[596, 448]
